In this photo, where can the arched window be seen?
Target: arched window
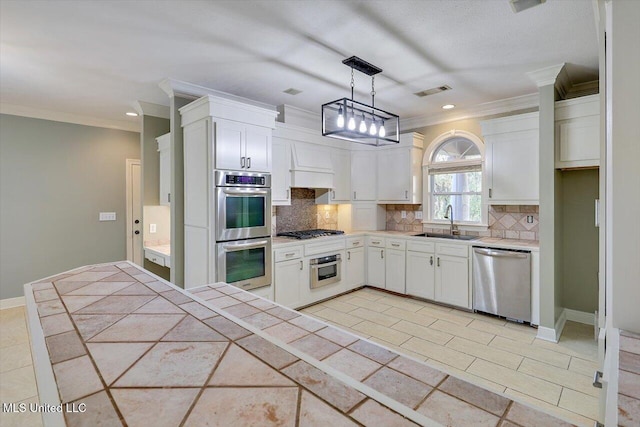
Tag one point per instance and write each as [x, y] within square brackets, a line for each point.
[453, 174]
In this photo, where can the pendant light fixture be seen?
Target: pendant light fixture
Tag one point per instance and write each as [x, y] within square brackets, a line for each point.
[375, 126]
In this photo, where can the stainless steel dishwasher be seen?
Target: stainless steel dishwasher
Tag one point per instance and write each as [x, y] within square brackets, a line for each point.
[502, 282]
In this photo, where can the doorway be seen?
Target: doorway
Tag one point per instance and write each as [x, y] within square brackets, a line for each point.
[134, 212]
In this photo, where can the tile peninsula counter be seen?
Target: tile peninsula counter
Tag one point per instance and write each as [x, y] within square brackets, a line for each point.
[115, 345]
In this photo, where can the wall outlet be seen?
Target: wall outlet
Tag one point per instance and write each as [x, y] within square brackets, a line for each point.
[418, 214]
[152, 228]
[107, 216]
[326, 215]
[403, 214]
[529, 219]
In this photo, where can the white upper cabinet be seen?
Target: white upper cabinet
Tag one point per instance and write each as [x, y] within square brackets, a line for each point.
[363, 175]
[341, 190]
[578, 132]
[164, 143]
[512, 159]
[281, 174]
[400, 171]
[240, 146]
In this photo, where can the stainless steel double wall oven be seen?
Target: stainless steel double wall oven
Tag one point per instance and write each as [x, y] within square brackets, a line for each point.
[243, 228]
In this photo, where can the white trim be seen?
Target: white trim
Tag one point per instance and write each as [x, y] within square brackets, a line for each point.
[546, 76]
[509, 105]
[132, 125]
[129, 207]
[11, 302]
[553, 335]
[580, 316]
[150, 109]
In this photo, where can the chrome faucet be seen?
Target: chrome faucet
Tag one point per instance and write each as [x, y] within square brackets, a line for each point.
[448, 216]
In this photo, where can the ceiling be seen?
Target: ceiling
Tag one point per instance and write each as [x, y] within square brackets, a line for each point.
[95, 59]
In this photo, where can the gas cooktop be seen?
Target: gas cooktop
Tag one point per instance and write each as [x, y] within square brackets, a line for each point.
[310, 234]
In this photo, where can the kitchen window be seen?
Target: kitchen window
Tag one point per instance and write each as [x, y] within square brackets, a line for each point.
[454, 177]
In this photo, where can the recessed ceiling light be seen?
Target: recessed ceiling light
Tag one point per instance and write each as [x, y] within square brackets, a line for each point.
[448, 107]
[131, 113]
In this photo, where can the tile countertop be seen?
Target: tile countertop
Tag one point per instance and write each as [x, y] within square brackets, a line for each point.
[161, 250]
[135, 349]
[530, 245]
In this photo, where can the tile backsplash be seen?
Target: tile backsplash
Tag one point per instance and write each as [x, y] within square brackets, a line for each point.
[303, 214]
[509, 222]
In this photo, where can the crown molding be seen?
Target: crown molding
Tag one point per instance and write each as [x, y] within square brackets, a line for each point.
[517, 103]
[59, 116]
[174, 87]
[150, 109]
[549, 75]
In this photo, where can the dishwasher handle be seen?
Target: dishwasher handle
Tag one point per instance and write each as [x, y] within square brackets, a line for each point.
[499, 253]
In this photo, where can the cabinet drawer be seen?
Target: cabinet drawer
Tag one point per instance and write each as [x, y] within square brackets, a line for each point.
[452, 249]
[375, 241]
[396, 244]
[427, 247]
[285, 254]
[154, 258]
[355, 242]
[320, 248]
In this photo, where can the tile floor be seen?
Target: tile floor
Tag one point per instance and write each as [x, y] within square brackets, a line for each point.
[502, 356]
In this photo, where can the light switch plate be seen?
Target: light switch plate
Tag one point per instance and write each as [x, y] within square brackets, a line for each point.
[529, 219]
[152, 228]
[403, 214]
[418, 214]
[107, 216]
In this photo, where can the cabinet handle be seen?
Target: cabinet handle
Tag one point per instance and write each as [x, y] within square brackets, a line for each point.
[438, 263]
[287, 193]
[242, 162]
[301, 264]
[375, 242]
[248, 162]
[348, 255]
[333, 194]
[290, 254]
[354, 195]
[406, 194]
[489, 193]
[431, 260]
[355, 243]
[169, 197]
[396, 245]
[382, 253]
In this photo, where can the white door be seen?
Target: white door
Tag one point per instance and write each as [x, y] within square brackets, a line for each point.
[134, 212]
[421, 274]
[363, 175]
[452, 280]
[394, 176]
[229, 145]
[375, 267]
[341, 160]
[288, 282]
[281, 175]
[355, 268]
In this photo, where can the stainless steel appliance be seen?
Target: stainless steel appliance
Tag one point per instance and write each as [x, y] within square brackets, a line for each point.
[310, 234]
[325, 270]
[502, 282]
[244, 263]
[243, 205]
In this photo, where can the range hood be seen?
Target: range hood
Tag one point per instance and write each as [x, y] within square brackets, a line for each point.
[311, 166]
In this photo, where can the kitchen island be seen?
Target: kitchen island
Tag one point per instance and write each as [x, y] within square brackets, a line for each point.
[115, 345]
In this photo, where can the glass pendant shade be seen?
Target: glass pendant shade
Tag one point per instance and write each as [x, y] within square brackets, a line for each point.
[340, 121]
[352, 123]
[372, 129]
[363, 125]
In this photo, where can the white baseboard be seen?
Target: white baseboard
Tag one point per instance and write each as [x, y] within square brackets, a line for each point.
[11, 302]
[553, 334]
[580, 316]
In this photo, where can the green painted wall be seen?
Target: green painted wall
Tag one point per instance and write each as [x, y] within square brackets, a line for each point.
[580, 240]
[54, 180]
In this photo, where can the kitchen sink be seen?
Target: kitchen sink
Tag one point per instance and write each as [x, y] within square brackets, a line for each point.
[447, 236]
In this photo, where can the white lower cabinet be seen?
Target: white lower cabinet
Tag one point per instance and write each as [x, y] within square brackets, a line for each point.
[290, 276]
[355, 263]
[421, 274]
[452, 278]
[395, 266]
[375, 262]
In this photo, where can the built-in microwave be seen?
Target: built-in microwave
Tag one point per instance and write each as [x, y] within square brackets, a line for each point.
[324, 271]
[244, 263]
[243, 205]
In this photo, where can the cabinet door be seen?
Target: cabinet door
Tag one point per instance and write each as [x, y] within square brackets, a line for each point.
[578, 142]
[258, 148]
[395, 271]
[341, 160]
[165, 176]
[512, 162]
[355, 268]
[394, 176]
[288, 282]
[421, 274]
[452, 280]
[375, 267]
[281, 175]
[229, 145]
[363, 175]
